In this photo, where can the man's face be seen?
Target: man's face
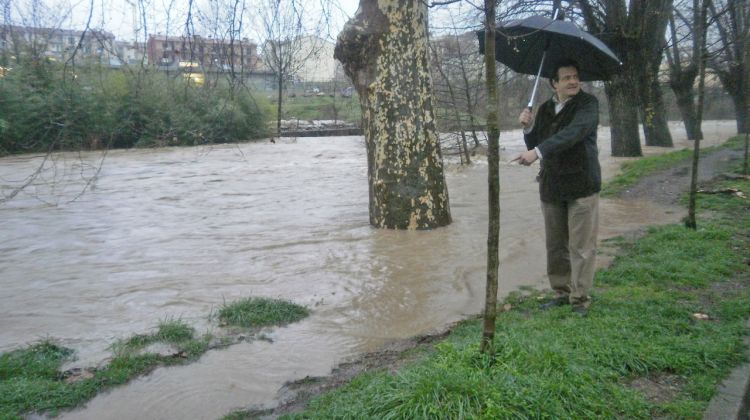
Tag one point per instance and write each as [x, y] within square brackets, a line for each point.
[567, 84]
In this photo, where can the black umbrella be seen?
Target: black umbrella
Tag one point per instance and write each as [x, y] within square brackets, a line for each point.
[535, 44]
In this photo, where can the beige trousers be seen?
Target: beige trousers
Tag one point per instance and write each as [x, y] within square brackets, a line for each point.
[571, 229]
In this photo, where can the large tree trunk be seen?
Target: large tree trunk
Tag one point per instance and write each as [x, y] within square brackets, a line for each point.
[682, 86]
[623, 117]
[635, 32]
[685, 103]
[682, 71]
[740, 109]
[734, 83]
[732, 60]
[654, 119]
[384, 52]
[653, 17]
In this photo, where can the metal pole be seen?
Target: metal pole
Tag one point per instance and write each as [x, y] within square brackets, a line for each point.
[536, 82]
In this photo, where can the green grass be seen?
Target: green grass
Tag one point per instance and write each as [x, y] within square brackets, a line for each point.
[174, 332]
[31, 380]
[260, 312]
[555, 364]
[321, 108]
[632, 171]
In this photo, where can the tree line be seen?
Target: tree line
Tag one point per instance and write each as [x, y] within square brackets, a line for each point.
[691, 52]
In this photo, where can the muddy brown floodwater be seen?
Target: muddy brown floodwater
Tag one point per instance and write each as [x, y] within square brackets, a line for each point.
[175, 232]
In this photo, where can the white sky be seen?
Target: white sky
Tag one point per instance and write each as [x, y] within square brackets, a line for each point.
[162, 16]
[169, 16]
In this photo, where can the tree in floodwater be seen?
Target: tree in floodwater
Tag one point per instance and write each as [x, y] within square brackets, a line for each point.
[384, 51]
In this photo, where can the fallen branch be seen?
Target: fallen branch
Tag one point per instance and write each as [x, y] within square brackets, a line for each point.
[732, 191]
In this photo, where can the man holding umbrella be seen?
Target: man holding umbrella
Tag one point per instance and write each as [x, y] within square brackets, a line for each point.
[562, 136]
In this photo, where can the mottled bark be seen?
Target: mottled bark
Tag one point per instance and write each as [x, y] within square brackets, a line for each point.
[493, 180]
[384, 51]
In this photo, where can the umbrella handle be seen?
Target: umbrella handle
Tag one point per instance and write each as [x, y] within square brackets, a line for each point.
[536, 82]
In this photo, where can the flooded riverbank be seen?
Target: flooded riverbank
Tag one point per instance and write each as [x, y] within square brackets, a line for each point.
[173, 233]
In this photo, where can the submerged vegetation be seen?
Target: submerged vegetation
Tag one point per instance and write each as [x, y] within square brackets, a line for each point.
[31, 380]
[258, 312]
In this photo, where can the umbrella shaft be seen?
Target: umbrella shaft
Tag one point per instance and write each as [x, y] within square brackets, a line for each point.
[536, 82]
[544, 55]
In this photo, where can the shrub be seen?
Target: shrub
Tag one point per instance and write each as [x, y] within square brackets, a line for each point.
[49, 106]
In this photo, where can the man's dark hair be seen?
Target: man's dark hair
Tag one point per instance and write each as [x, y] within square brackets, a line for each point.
[565, 62]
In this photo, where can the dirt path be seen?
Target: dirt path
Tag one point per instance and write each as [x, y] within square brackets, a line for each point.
[664, 188]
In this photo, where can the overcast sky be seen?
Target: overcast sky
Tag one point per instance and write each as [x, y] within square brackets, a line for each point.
[170, 16]
[162, 16]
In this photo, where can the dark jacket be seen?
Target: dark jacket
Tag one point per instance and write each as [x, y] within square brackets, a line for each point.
[567, 142]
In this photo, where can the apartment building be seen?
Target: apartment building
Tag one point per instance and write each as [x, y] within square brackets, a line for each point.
[210, 54]
[57, 43]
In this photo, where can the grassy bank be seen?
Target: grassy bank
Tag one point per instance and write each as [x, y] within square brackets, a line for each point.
[31, 380]
[665, 327]
[631, 172]
[321, 108]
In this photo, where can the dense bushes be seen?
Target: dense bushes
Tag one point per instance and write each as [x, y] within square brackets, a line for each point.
[48, 106]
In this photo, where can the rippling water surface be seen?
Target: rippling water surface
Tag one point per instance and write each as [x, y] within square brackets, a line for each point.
[174, 233]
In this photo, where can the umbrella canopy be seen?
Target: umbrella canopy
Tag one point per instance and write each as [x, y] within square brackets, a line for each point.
[523, 45]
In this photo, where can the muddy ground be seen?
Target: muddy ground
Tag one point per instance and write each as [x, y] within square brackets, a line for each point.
[664, 187]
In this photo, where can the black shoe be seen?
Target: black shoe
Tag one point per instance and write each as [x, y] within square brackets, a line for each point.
[581, 310]
[558, 301]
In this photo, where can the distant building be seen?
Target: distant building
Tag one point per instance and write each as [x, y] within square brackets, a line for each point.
[319, 64]
[57, 44]
[130, 53]
[208, 54]
[312, 58]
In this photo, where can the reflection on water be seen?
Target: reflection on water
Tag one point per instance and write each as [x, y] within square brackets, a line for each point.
[173, 233]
